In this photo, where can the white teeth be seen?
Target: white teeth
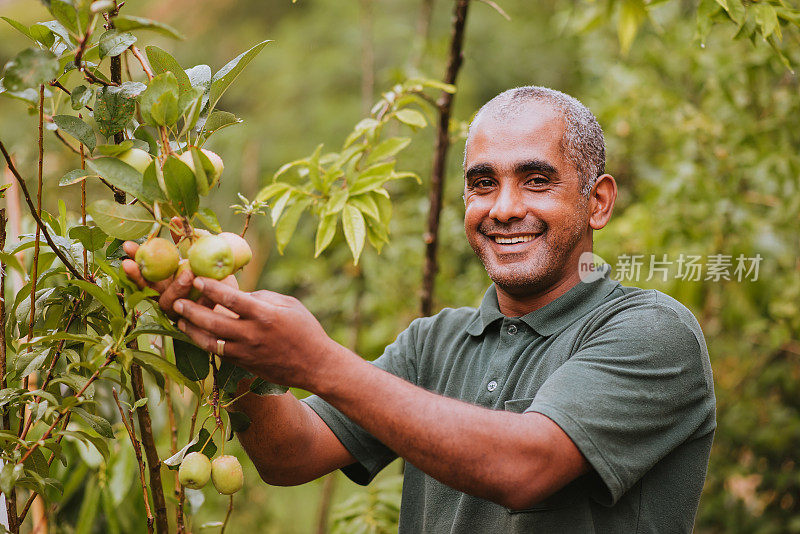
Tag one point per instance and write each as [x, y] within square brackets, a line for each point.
[512, 240]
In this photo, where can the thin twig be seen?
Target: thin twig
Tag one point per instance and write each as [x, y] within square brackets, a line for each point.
[138, 55]
[63, 412]
[38, 219]
[138, 451]
[227, 516]
[56, 83]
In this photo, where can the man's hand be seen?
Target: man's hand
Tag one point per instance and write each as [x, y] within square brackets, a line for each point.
[275, 336]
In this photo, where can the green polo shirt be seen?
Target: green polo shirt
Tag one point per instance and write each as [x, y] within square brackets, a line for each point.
[623, 371]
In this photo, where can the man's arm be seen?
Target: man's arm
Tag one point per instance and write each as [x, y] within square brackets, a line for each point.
[512, 459]
[287, 441]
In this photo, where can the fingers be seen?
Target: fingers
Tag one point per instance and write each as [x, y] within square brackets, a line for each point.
[207, 340]
[130, 248]
[233, 299]
[132, 271]
[178, 289]
[216, 324]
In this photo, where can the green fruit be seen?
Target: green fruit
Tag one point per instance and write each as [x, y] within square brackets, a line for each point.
[241, 250]
[227, 475]
[195, 470]
[157, 259]
[136, 158]
[211, 256]
[214, 173]
[186, 243]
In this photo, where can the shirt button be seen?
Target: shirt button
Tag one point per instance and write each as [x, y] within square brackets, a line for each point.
[512, 329]
[491, 386]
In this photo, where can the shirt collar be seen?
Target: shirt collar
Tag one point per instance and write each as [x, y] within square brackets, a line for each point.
[552, 317]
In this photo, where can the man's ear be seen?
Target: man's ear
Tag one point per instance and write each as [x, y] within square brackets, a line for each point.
[601, 201]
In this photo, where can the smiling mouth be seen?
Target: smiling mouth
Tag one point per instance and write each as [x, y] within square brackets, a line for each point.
[511, 240]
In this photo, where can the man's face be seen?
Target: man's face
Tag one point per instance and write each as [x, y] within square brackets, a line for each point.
[526, 217]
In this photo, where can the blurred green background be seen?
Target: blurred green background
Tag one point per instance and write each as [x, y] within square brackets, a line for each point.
[703, 138]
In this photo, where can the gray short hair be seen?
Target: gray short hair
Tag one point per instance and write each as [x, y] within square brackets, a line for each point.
[582, 143]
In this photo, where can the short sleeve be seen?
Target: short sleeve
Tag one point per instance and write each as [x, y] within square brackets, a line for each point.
[634, 390]
[371, 454]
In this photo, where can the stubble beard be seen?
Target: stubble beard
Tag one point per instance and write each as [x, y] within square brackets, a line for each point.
[535, 275]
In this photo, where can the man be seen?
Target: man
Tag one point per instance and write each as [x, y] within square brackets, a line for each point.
[559, 405]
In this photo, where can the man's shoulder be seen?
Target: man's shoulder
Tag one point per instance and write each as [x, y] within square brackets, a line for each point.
[448, 320]
[637, 306]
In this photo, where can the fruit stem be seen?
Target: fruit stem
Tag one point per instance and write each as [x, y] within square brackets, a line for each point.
[227, 516]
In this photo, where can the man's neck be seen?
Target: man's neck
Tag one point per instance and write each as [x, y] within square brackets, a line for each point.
[517, 305]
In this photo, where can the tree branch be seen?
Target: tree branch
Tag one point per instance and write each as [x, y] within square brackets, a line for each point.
[149, 444]
[138, 451]
[38, 219]
[440, 158]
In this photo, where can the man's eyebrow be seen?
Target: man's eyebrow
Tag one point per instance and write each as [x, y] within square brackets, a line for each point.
[479, 169]
[535, 165]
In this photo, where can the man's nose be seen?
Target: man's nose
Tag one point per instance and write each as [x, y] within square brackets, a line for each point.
[508, 205]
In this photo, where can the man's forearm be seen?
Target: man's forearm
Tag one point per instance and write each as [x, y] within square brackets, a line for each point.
[282, 438]
[491, 454]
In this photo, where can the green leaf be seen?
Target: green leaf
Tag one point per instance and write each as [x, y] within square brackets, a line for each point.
[217, 121]
[325, 232]
[280, 204]
[203, 443]
[336, 202]
[121, 175]
[29, 69]
[115, 42]
[100, 425]
[74, 176]
[259, 386]
[387, 149]
[37, 463]
[366, 204]
[229, 375]
[372, 178]
[91, 237]
[163, 62]
[355, 231]
[77, 129]
[209, 219]
[191, 360]
[113, 109]
[19, 27]
[108, 300]
[631, 15]
[240, 421]
[288, 222]
[227, 74]
[128, 23]
[113, 149]
[766, 18]
[42, 34]
[9, 475]
[121, 220]
[159, 102]
[65, 13]
[271, 190]
[412, 117]
[148, 359]
[80, 97]
[181, 186]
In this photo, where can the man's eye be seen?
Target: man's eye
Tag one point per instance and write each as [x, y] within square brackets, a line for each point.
[482, 182]
[538, 179]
